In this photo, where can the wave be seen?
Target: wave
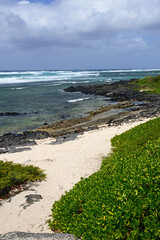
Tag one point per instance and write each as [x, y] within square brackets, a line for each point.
[77, 100]
[18, 88]
[14, 80]
[130, 70]
[61, 77]
[51, 85]
[15, 77]
[52, 73]
[22, 73]
[70, 72]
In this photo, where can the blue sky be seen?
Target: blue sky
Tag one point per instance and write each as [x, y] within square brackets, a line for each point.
[79, 34]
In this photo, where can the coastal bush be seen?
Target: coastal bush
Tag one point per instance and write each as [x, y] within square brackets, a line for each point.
[12, 175]
[149, 84]
[137, 137]
[122, 200]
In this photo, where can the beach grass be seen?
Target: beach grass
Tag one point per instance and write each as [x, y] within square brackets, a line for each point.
[148, 84]
[122, 200]
[13, 175]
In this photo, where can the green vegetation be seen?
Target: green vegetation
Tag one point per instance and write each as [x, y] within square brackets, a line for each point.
[12, 175]
[148, 84]
[122, 200]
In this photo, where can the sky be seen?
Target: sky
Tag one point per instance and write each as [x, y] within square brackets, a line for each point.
[79, 34]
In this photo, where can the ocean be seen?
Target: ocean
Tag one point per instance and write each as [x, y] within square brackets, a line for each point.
[38, 96]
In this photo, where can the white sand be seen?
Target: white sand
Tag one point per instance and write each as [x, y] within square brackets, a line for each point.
[64, 165]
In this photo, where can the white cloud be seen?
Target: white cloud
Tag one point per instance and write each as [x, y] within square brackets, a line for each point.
[78, 23]
[23, 2]
[128, 44]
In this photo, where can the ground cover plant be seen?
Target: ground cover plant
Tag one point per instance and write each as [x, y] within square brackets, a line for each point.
[122, 200]
[12, 175]
[148, 84]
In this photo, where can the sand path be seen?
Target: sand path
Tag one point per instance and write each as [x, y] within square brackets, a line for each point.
[64, 165]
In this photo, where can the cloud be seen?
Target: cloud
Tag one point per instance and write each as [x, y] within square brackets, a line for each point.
[23, 2]
[74, 23]
[128, 44]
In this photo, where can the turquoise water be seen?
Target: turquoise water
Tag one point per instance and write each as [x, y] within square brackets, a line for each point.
[39, 95]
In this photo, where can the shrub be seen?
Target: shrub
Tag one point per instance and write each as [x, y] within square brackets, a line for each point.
[122, 200]
[137, 137]
[12, 175]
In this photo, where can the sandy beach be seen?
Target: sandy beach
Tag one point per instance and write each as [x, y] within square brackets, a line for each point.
[64, 164]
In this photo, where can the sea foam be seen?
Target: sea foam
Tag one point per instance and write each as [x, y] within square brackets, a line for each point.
[77, 100]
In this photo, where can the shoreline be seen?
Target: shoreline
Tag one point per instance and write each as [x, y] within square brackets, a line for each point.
[64, 163]
[112, 115]
[67, 150]
[132, 105]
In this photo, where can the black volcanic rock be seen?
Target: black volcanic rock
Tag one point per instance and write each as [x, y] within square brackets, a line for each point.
[11, 139]
[2, 114]
[117, 91]
[10, 142]
[36, 134]
[148, 104]
[9, 114]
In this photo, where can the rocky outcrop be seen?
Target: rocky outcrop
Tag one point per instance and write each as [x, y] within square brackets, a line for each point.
[9, 114]
[148, 104]
[11, 142]
[117, 91]
[13, 114]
